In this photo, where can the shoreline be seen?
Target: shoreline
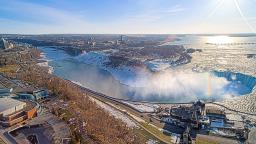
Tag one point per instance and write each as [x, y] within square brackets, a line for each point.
[226, 103]
[223, 103]
[162, 103]
[72, 103]
[134, 88]
[77, 98]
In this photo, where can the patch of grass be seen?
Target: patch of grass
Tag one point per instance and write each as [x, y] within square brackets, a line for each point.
[157, 132]
[8, 68]
[64, 114]
[146, 135]
[205, 142]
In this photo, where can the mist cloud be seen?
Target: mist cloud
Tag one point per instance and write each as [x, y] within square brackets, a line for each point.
[175, 85]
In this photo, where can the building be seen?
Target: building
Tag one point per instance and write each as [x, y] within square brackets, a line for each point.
[34, 95]
[2, 43]
[4, 92]
[14, 111]
[9, 106]
[41, 94]
[185, 137]
[25, 96]
[214, 139]
[195, 114]
[199, 107]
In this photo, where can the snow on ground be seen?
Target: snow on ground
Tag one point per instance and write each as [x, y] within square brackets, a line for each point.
[234, 117]
[150, 141]
[158, 65]
[125, 74]
[252, 138]
[243, 104]
[117, 114]
[143, 107]
[223, 132]
[94, 58]
[45, 63]
[78, 83]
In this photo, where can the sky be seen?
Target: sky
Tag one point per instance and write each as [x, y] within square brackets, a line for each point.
[127, 16]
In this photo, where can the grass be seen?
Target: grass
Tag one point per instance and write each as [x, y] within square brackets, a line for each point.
[140, 132]
[205, 142]
[202, 140]
[159, 134]
[64, 114]
[8, 68]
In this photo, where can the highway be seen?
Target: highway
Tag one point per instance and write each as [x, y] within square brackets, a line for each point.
[125, 109]
[131, 111]
[128, 110]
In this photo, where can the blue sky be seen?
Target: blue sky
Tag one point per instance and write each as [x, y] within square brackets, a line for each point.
[127, 16]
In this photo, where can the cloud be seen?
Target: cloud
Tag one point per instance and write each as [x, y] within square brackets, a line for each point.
[37, 18]
[154, 14]
[41, 13]
[147, 17]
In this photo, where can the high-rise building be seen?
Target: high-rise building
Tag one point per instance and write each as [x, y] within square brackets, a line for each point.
[121, 38]
[2, 43]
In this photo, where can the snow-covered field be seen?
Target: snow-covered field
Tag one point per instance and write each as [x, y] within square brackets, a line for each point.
[125, 74]
[243, 104]
[143, 107]
[117, 114]
[158, 65]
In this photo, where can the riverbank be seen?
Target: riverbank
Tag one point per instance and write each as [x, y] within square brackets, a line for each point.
[138, 84]
[95, 124]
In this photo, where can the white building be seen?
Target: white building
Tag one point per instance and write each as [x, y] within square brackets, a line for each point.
[9, 106]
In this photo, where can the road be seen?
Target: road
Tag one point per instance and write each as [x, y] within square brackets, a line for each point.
[125, 109]
[115, 102]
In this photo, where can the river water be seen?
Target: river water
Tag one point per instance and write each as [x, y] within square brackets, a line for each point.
[167, 86]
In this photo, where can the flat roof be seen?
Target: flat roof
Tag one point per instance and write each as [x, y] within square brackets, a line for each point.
[7, 103]
[214, 139]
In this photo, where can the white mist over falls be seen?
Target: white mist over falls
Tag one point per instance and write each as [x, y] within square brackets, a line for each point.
[169, 85]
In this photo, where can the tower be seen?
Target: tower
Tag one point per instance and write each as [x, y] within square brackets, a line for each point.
[121, 38]
[2, 43]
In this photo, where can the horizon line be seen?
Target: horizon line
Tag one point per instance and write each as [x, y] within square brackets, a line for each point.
[248, 33]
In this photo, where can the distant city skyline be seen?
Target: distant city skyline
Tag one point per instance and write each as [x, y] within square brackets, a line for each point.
[127, 16]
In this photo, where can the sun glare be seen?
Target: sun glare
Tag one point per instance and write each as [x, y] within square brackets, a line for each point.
[219, 40]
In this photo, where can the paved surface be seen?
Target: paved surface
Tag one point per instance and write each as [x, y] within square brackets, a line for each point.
[117, 102]
[215, 139]
[41, 134]
[5, 138]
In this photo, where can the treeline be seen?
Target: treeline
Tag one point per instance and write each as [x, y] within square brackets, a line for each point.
[17, 56]
[100, 126]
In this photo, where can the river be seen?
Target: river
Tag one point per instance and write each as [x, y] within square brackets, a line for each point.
[167, 86]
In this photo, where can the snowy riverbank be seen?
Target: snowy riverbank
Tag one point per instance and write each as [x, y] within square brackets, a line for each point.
[93, 71]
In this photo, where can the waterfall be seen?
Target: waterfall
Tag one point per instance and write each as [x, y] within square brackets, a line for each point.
[247, 80]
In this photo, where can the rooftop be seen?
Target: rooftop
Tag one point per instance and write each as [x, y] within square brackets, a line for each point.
[7, 103]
